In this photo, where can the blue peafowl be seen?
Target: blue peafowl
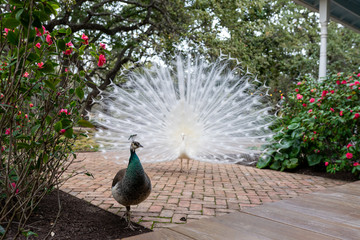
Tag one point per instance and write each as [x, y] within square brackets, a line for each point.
[131, 185]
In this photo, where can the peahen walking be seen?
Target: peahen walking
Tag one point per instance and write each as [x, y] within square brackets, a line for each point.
[131, 185]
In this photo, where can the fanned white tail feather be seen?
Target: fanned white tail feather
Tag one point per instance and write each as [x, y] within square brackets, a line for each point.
[219, 111]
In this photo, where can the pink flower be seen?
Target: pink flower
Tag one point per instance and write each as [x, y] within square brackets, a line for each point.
[31, 105]
[13, 185]
[66, 70]
[326, 164]
[304, 105]
[69, 44]
[351, 111]
[357, 115]
[38, 33]
[26, 74]
[85, 38]
[349, 145]
[349, 97]
[64, 111]
[62, 131]
[312, 100]
[343, 82]
[102, 60]
[310, 111]
[281, 97]
[356, 82]
[48, 39]
[338, 82]
[68, 51]
[314, 132]
[44, 29]
[26, 116]
[296, 90]
[356, 164]
[332, 91]
[299, 96]
[341, 113]
[331, 109]
[2, 148]
[6, 31]
[349, 155]
[358, 75]
[324, 93]
[40, 65]
[299, 83]
[7, 131]
[102, 45]
[38, 45]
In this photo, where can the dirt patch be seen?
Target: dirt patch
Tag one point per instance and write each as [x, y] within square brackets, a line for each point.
[78, 220]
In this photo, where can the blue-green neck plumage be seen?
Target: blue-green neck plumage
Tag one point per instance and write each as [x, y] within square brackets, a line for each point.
[134, 168]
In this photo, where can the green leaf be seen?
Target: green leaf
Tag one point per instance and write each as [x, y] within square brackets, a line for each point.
[11, 36]
[292, 163]
[16, 2]
[66, 123]
[286, 143]
[79, 92]
[2, 230]
[48, 119]
[33, 57]
[11, 23]
[35, 128]
[23, 145]
[50, 85]
[293, 126]
[263, 161]
[68, 31]
[276, 165]
[62, 30]
[85, 123]
[69, 133]
[314, 159]
[18, 14]
[47, 68]
[61, 44]
[58, 126]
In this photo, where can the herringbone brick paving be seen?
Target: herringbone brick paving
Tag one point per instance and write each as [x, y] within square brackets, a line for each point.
[208, 189]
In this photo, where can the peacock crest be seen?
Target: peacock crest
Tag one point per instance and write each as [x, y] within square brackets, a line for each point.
[207, 110]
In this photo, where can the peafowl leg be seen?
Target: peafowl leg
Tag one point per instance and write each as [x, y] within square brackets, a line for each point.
[128, 219]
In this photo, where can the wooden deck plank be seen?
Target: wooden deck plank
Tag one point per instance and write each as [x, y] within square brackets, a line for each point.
[161, 234]
[246, 226]
[306, 221]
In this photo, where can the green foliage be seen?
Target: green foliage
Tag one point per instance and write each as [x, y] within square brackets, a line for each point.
[319, 126]
[40, 102]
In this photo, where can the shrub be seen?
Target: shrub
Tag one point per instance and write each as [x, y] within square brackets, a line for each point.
[319, 126]
[40, 95]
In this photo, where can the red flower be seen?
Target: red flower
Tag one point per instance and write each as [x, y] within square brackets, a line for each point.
[40, 65]
[85, 38]
[38, 33]
[331, 109]
[304, 105]
[38, 45]
[338, 82]
[7, 131]
[314, 132]
[349, 145]
[6, 31]
[326, 163]
[102, 45]
[299, 96]
[62, 131]
[358, 75]
[310, 111]
[299, 83]
[102, 60]
[349, 97]
[69, 44]
[356, 164]
[324, 93]
[349, 155]
[312, 100]
[296, 90]
[332, 91]
[13, 185]
[357, 115]
[343, 82]
[48, 39]
[68, 51]
[26, 74]
[341, 113]
[31, 105]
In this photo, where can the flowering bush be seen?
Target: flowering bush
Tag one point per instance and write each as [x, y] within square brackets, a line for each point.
[40, 96]
[319, 126]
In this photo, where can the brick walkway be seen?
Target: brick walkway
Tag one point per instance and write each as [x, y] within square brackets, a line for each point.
[207, 190]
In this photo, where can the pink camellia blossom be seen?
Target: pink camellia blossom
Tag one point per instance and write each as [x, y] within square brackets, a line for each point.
[68, 51]
[1, 95]
[351, 111]
[45, 31]
[331, 109]
[102, 45]
[356, 164]
[7, 131]
[48, 39]
[296, 90]
[338, 82]
[349, 97]
[304, 105]
[299, 83]
[40, 65]
[299, 96]
[310, 111]
[85, 38]
[26, 116]
[26, 74]
[69, 44]
[356, 116]
[2, 148]
[38, 33]
[314, 132]
[62, 131]
[312, 100]
[13, 185]
[66, 70]
[38, 45]
[102, 60]
[64, 110]
[341, 113]
[358, 75]
[281, 97]
[324, 93]
[349, 155]
[6, 31]
[31, 105]
[332, 91]
[343, 82]
[326, 164]
[349, 145]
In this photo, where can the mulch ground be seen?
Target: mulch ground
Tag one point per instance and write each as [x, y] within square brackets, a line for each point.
[78, 220]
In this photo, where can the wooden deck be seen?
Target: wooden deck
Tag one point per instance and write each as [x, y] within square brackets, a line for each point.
[330, 214]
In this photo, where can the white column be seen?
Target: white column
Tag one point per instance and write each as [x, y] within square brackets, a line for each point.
[324, 9]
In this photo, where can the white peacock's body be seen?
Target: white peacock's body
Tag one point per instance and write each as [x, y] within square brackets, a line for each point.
[219, 112]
